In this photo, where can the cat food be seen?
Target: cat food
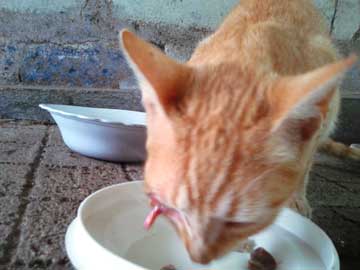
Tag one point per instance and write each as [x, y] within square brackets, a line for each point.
[168, 267]
[260, 259]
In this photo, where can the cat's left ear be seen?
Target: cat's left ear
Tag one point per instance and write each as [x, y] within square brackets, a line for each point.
[162, 80]
[299, 103]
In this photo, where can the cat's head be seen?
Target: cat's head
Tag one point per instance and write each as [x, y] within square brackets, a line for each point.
[226, 148]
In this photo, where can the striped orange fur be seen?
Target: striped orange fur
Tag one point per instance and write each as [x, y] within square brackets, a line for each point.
[232, 132]
[340, 150]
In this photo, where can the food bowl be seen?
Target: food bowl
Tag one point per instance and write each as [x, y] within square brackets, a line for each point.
[108, 234]
[107, 134]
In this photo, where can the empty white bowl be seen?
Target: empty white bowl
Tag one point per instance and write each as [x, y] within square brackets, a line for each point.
[107, 134]
[108, 234]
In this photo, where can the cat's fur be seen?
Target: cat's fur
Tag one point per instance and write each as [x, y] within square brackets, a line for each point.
[232, 132]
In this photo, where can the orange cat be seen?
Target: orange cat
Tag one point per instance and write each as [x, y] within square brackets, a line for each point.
[232, 132]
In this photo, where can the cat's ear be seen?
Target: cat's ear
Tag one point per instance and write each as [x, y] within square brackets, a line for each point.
[299, 103]
[162, 80]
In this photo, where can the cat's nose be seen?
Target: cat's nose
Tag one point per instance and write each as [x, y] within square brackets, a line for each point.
[202, 257]
[202, 260]
[197, 248]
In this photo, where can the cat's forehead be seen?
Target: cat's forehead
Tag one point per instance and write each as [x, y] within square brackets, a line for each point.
[224, 118]
[225, 94]
[229, 75]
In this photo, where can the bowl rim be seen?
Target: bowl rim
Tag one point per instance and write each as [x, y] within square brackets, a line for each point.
[97, 245]
[285, 213]
[116, 125]
[51, 108]
[73, 250]
[288, 213]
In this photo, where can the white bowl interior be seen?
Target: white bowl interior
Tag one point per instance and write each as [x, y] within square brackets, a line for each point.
[114, 218]
[104, 115]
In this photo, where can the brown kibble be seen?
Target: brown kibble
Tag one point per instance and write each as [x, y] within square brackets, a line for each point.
[260, 259]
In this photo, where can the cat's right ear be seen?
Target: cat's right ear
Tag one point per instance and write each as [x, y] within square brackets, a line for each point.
[301, 103]
[161, 79]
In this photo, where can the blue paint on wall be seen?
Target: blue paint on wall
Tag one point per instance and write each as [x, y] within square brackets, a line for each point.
[91, 67]
[7, 61]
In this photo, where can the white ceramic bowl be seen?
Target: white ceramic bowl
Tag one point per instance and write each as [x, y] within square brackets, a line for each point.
[108, 234]
[107, 134]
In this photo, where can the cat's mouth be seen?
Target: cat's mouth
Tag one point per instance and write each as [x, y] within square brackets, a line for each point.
[158, 209]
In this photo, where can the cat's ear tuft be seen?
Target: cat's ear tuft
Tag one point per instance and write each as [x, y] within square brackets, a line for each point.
[161, 79]
[301, 102]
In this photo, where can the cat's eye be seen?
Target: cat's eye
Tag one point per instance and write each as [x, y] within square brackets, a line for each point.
[238, 225]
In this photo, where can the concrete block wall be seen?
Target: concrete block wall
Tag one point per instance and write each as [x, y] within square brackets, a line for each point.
[51, 47]
[74, 43]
